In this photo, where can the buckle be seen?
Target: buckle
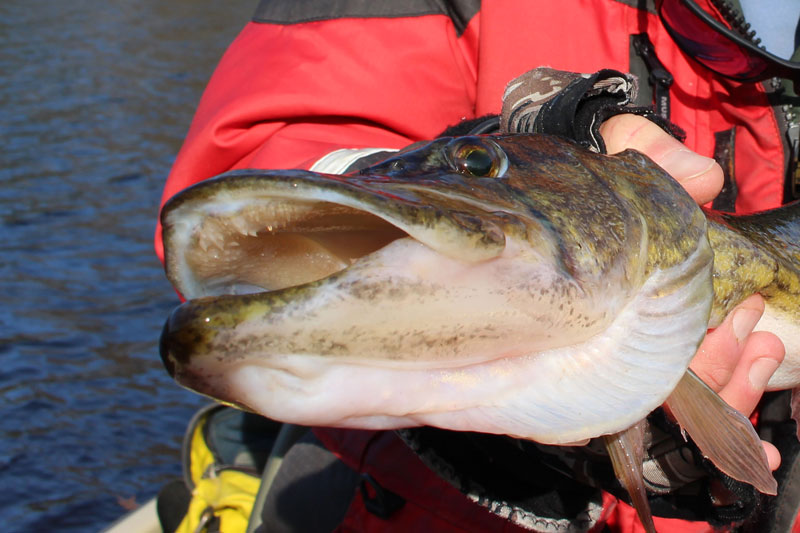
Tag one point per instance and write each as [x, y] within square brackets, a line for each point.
[379, 501]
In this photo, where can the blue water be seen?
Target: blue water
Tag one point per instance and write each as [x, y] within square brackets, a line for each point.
[95, 98]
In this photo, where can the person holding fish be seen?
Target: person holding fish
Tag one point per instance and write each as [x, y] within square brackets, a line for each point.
[336, 88]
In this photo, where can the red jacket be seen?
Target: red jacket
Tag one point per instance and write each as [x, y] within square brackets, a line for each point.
[298, 84]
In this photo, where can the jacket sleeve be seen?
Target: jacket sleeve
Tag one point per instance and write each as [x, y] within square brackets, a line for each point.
[285, 95]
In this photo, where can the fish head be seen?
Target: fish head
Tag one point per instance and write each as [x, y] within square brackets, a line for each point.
[453, 285]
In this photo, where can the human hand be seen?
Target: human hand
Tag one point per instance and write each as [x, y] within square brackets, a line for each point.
[733, 360]
[701, 176]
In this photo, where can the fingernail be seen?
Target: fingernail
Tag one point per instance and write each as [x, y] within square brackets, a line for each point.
[760, 372]
[744, 320]
[685, 165]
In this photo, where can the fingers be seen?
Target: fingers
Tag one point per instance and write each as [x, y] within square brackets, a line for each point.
[737, 362]
[762, 354]
[701, 176]
[773, 455]
[719, 352]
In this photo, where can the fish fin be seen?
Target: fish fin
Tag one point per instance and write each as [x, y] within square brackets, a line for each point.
[723, 434]
[795, 403]
[626, 450]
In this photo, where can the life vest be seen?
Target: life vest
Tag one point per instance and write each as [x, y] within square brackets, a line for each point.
[224, 453]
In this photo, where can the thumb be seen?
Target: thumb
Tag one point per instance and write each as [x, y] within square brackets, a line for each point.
[701, 176]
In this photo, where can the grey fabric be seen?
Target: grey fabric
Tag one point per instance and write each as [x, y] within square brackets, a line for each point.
[298, 11]
[311, 492]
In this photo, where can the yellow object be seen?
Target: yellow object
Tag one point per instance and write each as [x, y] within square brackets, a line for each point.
[223, 494]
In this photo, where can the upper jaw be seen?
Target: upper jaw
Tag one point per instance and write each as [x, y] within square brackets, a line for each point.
[267, 230]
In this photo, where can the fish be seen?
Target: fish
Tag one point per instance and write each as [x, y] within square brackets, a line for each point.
[513, 284]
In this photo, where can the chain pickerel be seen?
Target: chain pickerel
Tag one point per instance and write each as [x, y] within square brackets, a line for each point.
[513, 284]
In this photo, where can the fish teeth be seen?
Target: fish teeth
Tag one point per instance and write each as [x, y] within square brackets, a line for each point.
[240, 225]
[210, 238]
[200, 241]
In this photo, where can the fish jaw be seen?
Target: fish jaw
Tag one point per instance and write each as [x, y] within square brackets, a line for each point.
[507, 371]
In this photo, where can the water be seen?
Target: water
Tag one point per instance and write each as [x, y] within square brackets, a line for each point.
[95, 98]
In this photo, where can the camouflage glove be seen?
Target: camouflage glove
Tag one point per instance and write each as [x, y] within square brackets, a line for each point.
[572, 105]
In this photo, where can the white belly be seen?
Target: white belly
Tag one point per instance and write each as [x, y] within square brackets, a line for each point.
[788, 374]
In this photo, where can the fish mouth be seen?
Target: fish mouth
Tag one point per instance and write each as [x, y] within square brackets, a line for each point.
[261, 231]
[268, 236]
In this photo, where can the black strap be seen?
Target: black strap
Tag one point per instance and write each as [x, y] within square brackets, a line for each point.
[378, 500]
[659, 77]
[724, 153]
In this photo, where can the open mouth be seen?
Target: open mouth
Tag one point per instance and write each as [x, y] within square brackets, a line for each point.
[279, 244]
[236, 239]
[269, 230]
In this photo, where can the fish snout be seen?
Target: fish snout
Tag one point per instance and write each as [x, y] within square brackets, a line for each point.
[186, 351]
[180, 338]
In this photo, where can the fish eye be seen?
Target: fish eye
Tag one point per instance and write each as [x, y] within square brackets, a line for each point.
[478, 158]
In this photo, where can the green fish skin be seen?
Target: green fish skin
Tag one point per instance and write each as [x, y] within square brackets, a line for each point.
[514, 284]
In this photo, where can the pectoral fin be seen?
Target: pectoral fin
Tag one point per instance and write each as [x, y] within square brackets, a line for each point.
[723, 434]
[626, 450]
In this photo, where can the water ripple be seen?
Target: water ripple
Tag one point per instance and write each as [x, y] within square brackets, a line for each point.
[94, 100]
